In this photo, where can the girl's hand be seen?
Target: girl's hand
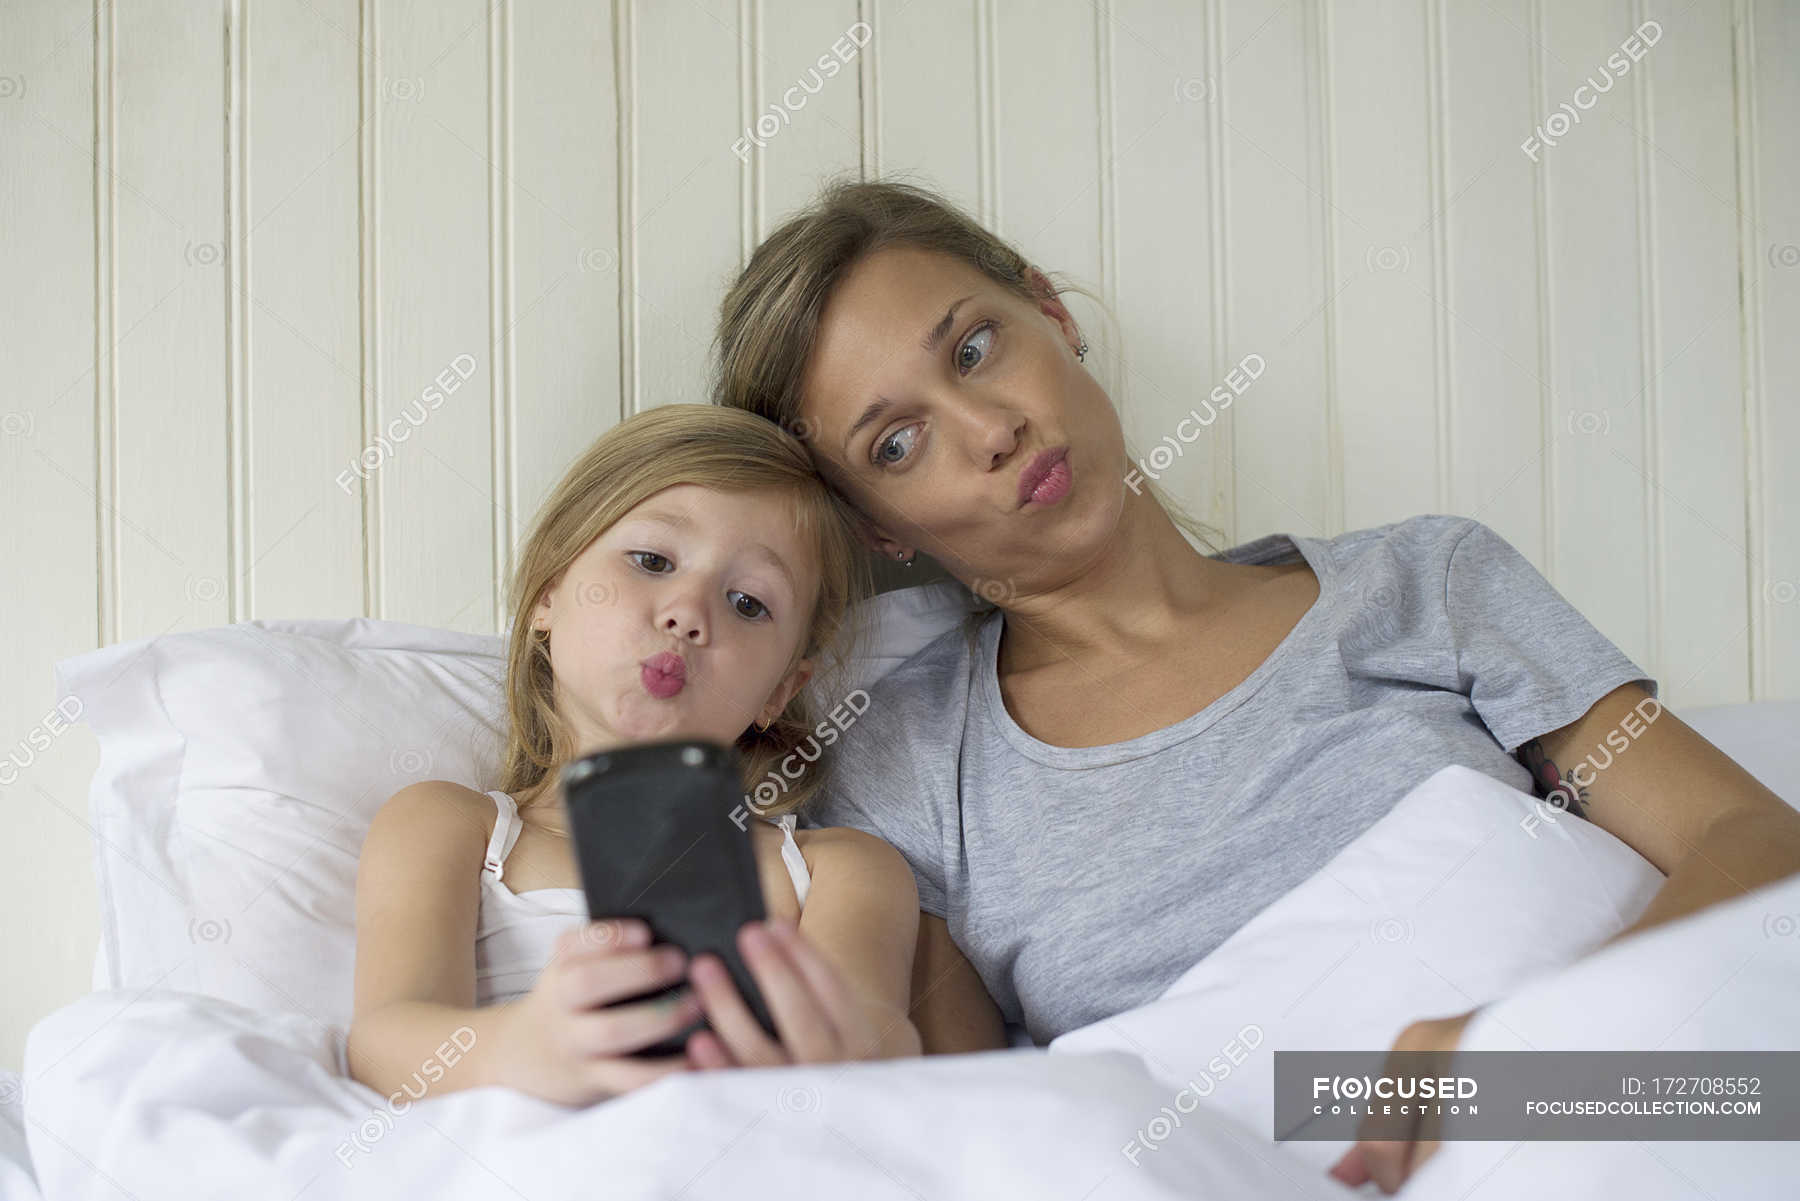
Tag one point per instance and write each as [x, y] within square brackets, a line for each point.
[1389, 1162]
[558, 1044]
[818, 1019]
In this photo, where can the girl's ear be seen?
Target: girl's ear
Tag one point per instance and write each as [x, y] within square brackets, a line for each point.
[785, 691]
[540, 612]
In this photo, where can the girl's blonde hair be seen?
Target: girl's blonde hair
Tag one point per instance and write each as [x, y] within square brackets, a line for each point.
[769, 321]
[712, 447]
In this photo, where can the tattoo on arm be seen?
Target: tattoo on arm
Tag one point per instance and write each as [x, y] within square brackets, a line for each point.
[1549, 783]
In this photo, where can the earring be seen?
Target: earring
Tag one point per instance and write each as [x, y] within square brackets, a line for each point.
[762, 725]
[899, 554]
[1081, 352]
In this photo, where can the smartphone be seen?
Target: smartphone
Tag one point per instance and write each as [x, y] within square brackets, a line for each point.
[655, 840]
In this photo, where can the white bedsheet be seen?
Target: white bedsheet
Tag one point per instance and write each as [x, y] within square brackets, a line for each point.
[178, 1096]
[171, 1095]
[17, 1183]
[158, 1093]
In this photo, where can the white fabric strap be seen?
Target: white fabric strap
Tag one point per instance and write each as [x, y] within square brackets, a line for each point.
[790, 855]
[506, 832]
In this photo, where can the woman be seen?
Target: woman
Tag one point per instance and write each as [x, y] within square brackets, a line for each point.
[1141, 745]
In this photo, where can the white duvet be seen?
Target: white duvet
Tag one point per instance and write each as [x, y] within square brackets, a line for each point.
[161, 1094]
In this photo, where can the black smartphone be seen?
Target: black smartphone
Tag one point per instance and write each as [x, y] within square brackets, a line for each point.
[656, 839]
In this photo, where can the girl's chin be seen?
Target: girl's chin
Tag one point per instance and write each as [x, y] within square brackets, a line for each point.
[665, 726]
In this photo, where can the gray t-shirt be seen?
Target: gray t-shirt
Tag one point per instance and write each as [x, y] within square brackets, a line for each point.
[1082, 881]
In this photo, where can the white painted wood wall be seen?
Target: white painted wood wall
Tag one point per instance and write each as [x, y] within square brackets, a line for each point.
[241, 236]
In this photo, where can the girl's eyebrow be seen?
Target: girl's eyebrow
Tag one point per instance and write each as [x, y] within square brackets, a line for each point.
[757, 550]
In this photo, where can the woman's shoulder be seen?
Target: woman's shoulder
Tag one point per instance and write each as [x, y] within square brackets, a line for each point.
[933, 676]
[1427, 537]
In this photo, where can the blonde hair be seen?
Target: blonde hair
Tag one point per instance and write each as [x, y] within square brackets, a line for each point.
[660, 448]
[769, 320]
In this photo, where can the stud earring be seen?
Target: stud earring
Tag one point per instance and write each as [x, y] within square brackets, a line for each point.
[1081, 352]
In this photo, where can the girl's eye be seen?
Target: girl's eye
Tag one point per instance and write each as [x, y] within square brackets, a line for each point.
[979, 342]
[758, 610]
[885, 459]
[638, 557]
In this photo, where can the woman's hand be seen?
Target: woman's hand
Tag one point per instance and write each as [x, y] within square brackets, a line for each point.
[557, 1043]
[815, 1013]
[1388, 1162]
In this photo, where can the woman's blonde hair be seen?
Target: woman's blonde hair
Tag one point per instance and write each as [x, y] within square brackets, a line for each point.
[769, 321]
[660, 448]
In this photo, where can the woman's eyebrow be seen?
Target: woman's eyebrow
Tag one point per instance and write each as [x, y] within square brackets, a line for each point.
[938, 331]
[930, 342]
[872, 413]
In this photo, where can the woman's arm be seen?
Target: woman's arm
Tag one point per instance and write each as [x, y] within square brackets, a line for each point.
[950, 1005]
[1674, 798]
[1669, 794]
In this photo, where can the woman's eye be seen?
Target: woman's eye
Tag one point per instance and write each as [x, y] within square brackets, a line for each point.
[979, 343]
[638, 557]
[758, 607]
[882, 456]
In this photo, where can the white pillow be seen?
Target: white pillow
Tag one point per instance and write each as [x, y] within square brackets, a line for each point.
[1462, 893]
[240, 768]
[1760, 736]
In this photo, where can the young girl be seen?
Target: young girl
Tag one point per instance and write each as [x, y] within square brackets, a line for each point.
[681, 581]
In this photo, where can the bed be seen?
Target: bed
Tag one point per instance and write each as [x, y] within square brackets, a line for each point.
[240, 767]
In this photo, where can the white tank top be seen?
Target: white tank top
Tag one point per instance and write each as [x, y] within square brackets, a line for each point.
[516, 931]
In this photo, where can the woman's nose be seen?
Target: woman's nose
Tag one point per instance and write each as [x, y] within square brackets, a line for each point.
[997, 430]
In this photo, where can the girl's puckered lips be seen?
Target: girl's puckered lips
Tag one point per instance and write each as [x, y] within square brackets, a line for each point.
[663, 674]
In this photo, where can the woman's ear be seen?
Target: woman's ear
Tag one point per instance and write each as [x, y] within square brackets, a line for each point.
[872, 537]
[1052, 306]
